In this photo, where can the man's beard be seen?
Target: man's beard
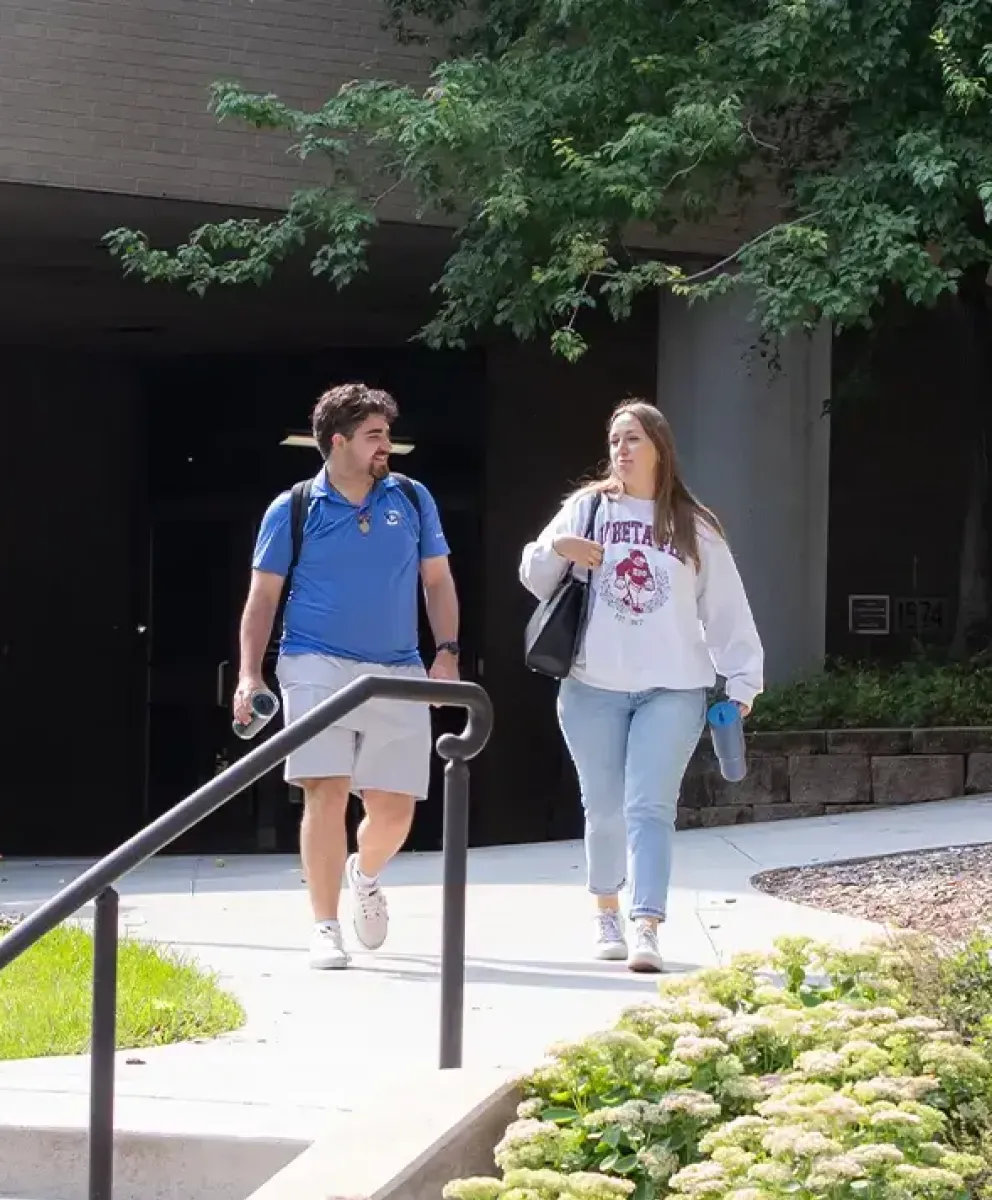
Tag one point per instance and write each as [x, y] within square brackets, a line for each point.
[379, 470]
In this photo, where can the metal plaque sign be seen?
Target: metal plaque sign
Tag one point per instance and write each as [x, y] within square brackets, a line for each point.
[868, 615]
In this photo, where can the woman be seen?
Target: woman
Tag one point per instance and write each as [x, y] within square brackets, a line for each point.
[667, 606]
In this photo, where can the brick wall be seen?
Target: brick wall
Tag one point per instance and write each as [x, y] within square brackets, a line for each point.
[111, 95]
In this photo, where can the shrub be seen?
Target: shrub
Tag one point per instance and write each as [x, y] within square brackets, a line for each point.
[919, 694]
[954, 982]
[808, 1075]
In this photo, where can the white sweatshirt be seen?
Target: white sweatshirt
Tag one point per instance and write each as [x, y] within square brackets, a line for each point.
[654, 621]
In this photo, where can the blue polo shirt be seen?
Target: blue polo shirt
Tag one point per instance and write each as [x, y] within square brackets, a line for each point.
[354, 594]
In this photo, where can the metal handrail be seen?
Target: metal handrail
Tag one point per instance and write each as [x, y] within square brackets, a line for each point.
[96, 883]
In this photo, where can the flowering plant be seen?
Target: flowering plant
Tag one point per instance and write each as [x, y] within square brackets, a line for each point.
[807, 1075]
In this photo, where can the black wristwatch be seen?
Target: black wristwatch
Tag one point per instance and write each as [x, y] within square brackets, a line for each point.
[451, 648]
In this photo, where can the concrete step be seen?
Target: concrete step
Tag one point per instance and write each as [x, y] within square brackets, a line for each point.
[384, 1147]
[39, 1163]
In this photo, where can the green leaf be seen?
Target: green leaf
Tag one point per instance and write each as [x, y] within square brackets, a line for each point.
[612, 1136]
[561, 1116]
[678, 1139]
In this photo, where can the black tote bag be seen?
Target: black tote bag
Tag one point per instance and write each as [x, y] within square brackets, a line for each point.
[551, 640]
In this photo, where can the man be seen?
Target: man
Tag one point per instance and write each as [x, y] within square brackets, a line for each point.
[352, 610]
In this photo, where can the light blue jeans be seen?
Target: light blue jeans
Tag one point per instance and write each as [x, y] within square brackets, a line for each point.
[630, 750]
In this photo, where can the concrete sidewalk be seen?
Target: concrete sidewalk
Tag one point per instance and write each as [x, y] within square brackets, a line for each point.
[322, 1044]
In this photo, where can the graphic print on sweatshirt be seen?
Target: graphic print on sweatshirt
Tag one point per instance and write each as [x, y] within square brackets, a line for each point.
[628, 583]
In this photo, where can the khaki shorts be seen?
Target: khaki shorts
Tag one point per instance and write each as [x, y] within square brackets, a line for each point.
[383, 745]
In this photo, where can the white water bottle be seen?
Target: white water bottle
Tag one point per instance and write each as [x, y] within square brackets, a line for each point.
[264, 706]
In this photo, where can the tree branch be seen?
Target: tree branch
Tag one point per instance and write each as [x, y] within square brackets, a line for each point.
[725, 262]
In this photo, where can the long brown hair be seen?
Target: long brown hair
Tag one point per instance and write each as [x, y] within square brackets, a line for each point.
[677, 512]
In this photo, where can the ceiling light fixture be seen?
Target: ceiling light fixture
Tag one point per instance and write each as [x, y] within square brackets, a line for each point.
[306, 442]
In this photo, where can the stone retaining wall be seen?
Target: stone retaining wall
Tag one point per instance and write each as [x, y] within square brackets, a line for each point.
[807, 774]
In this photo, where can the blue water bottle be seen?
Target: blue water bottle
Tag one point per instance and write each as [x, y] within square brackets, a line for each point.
[727, 732]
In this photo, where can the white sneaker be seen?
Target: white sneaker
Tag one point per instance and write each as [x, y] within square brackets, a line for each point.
[646, 956]
[610, 944]
[327, 952]
[369, 910]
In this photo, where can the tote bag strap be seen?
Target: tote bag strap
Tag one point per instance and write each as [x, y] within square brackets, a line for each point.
[590, 532]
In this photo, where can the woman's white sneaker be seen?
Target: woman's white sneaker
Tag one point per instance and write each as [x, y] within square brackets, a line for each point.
[610, 944]
[327, 952]
[646, 957]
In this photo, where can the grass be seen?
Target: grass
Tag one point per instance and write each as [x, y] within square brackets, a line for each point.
[45, 998]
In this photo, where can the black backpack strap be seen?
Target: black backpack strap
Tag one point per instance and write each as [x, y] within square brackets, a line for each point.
[299, 507]
[409, 489]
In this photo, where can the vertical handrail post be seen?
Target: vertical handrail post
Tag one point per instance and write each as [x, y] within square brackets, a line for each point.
[103, 1045]
[455, 870]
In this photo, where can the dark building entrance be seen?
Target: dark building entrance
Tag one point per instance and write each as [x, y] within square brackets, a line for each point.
[127, 567]
[217, 454]
[142, 435]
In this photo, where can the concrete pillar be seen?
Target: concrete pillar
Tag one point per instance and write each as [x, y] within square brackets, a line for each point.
[754, 444]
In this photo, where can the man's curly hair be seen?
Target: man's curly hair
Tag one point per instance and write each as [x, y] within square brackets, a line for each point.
[343, 408]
